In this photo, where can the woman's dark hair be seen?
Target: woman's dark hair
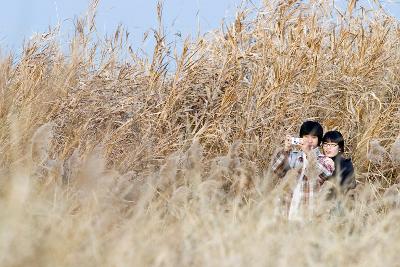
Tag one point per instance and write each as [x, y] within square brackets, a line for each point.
[312, 128]
[334, 137]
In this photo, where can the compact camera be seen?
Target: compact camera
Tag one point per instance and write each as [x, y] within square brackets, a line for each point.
[297, 141]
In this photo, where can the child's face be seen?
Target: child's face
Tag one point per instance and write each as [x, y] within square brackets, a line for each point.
[310, 140]
[330, 149]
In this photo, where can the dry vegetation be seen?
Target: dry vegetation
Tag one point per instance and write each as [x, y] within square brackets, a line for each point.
[111, 158]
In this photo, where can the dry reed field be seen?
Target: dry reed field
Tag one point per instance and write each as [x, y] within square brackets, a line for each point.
[109, 157]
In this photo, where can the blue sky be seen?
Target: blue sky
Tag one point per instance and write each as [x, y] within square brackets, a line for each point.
[22, 18]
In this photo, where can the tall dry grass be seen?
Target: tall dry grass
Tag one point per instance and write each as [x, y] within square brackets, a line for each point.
[109, 160]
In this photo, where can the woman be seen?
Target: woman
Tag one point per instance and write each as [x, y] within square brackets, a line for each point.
[333, 147]
[299, 201]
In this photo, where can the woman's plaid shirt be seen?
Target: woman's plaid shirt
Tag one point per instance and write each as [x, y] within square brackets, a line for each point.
[308, 181]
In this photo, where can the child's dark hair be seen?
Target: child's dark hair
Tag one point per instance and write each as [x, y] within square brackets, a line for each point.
[334, 137]
[313, 128]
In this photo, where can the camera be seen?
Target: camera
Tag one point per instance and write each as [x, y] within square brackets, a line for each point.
[297, 141]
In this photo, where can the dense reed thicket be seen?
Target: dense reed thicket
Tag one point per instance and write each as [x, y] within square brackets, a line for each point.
[112, 158]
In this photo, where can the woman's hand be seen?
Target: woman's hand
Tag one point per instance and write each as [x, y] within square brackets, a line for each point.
[288, 143]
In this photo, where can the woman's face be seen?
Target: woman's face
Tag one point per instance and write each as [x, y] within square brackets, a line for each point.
[330, 149]
[310, 140]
